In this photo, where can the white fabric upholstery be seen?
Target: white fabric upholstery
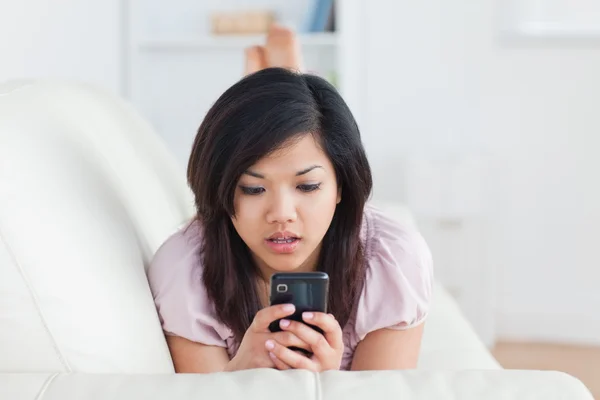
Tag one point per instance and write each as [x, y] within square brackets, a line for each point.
[298, 385]
[87, 194]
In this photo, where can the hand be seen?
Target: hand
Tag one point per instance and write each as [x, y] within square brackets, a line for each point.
[327, 348]
[252, 352]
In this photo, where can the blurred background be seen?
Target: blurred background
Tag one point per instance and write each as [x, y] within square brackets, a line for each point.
[482, 116]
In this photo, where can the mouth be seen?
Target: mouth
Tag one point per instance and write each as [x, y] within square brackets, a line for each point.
[283, 242]
[283, 237]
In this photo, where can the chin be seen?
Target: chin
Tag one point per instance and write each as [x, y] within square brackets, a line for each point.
[280, 264]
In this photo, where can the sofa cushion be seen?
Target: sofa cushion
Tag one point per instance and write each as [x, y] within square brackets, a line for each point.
[87, 196]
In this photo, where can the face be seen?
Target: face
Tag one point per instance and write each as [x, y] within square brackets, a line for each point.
[284, 205]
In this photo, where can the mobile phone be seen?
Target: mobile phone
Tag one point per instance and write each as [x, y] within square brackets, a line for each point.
[307, 291]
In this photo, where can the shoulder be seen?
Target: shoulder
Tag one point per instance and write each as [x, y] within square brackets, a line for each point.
[175, 279]
[178, 255]
[399, 274]
[393, 234]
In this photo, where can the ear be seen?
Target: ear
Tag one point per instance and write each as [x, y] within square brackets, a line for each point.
[339, 195]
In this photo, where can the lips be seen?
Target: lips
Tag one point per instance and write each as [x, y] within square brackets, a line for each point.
[283, 237]
[283, 242]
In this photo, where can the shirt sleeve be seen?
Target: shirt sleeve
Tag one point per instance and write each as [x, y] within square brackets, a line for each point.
[175, 279]
[399, 279]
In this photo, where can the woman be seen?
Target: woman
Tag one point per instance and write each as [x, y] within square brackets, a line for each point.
[278, 158]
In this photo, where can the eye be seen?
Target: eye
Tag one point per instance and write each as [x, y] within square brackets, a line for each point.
[309, 188]
[253, 191]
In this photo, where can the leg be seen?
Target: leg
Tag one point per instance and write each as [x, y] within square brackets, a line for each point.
[282, 49]
[255, 59]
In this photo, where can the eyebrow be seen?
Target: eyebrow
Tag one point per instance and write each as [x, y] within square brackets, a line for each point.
[299, 173]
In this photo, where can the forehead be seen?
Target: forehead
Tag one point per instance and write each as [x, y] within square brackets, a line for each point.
[300, 151]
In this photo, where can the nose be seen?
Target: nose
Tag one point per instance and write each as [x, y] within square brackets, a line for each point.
[282, 208]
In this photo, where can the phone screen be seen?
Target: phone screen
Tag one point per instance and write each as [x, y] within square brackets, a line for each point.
[306, 291]
[303, 295]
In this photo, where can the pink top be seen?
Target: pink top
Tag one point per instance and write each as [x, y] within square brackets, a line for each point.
[396, 294]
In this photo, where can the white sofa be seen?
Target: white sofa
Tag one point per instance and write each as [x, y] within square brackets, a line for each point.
[87, 194]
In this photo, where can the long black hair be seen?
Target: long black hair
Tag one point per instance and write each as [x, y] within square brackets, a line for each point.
[255, 117]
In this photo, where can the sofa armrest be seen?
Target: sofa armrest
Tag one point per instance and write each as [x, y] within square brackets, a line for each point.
[298, 385]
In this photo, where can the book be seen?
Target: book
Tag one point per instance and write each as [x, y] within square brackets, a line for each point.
[320, 16]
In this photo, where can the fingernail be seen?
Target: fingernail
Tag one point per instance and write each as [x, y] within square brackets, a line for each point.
[289, 308]
[308, 315]
[270, 345]
[284, 323]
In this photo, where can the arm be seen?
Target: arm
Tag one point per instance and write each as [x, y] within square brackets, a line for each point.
[192, 357]
[388, 349]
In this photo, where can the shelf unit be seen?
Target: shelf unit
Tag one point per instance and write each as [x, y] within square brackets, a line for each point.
[224, 42]
[175, 68]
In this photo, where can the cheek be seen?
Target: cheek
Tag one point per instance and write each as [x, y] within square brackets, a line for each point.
[246, 214]
[327, 199]
[246, 206]
[320, 208]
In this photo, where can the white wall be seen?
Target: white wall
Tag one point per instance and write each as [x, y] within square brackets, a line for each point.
[67, 39]
[440, 81]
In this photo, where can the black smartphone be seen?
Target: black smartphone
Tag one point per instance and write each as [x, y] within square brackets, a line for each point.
[307, 291]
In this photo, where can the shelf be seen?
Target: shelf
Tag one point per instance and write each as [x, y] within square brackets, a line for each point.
[326, 39]
[556, 31]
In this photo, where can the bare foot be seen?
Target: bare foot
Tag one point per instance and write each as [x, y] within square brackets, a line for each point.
[283, 49]
[255, 59]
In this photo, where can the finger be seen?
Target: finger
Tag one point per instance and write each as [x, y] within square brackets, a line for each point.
[329, 325]
[290, 357]
[289, 339]
[264, 317]
[317, 342]
[280, 365]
